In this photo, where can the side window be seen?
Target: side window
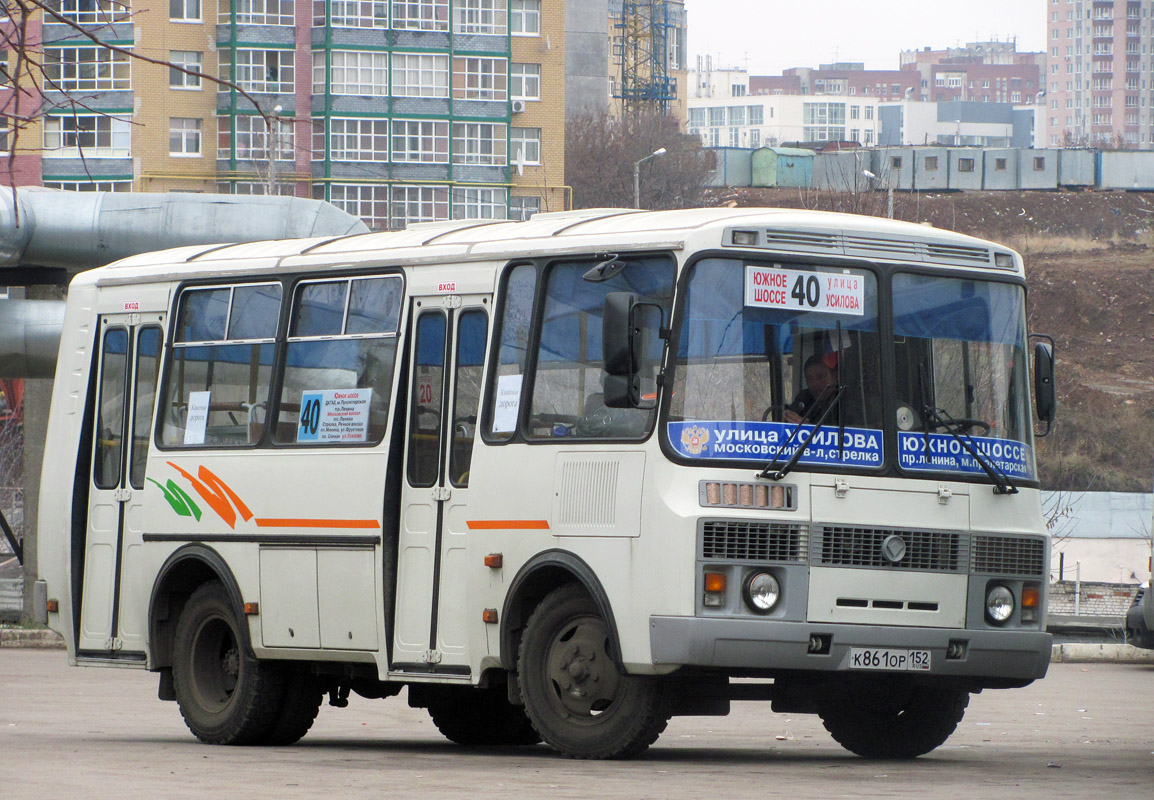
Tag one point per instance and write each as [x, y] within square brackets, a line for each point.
[110, 419]
[472, 333]
[504, 399]
[568, 398]
[147, 371]
[428, 389]
[216, 389]
[338, 373]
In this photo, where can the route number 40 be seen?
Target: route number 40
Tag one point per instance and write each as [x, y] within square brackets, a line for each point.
[806, 291]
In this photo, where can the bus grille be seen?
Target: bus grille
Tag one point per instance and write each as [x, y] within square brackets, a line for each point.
[1009, 555]
[739, 540]
[929, 551]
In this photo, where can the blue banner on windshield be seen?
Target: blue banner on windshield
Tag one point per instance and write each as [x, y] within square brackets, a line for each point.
[948, 455]
[760, 441]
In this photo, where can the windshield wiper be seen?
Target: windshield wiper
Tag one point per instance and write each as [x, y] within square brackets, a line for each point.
[942, 419]
[777, 475]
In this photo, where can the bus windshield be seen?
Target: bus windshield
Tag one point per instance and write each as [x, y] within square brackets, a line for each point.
[960, 350]
[763, 347]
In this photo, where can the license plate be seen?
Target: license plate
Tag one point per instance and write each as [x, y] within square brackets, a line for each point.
[891, 659]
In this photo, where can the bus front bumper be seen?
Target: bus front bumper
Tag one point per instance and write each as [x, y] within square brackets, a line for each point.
[741, 644]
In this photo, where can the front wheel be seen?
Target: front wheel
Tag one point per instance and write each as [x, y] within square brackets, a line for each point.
[580, 703]
[894, 720]
[225, 694]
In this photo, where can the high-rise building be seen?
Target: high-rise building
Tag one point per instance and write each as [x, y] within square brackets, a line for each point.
[397, 112]
[1100, 79]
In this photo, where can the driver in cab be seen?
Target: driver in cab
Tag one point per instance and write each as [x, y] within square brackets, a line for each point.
[820, 389]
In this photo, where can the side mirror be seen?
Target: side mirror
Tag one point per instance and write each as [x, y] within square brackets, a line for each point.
[1045, 393]
[629, 330]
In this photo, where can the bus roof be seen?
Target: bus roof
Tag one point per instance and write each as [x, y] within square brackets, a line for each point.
[602, 229]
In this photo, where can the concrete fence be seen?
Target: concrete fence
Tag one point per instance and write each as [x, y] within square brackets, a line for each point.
[11, 598]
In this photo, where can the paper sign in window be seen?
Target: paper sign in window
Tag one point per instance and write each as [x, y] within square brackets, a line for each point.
[334, 415]
[197, 419]
[801, 290]
[508, 403]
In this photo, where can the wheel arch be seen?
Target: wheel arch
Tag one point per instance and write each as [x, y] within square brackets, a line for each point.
[539, 576]
[186, 569]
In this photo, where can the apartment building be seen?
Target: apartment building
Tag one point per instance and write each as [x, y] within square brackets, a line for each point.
[397, 112]
[979, 72]
[1100, 79]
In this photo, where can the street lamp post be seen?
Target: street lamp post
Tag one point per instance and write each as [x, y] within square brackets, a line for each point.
[272, 145]
[637, 175]
[889, 192]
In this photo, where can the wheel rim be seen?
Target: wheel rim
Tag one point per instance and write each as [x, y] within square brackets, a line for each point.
[580, 670]
[215, 664]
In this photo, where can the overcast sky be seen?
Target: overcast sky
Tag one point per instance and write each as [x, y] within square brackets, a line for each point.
[767, 36]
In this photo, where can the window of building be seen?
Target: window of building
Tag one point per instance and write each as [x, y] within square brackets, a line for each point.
[358, 139]
[352, 13]
[525, 81]
[480, 143]
[86, 69]
[697, 117]
[525, 144]
[895, 162]
[411, 204]
[1039, 163]
[756, 115]
[717, 117]
[855, 112]
[369, 202]
[999, 165]
[869, 112]
[185, 70]
[522, 208]
[261, 71]
[87, 136]
[89, 12]
[420, 75]
[89, 186]
[965, 165]
[525, 17]
[420, 141]
[184, 136]
[421, 15]
[253, 136]
[216, 393]
[755, 138]
[479, 203]
[736, 115]
[354, 72]
[487, 17]
[183, 10]
[258, 12]
[931, 163]
[477, 78]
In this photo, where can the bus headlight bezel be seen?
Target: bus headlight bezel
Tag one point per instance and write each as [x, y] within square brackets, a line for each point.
[761, 591]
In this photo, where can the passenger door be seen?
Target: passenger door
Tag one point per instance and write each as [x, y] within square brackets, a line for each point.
[447, 358]
[128, 365]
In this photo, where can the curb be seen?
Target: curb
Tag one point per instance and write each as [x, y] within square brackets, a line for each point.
[31, 639]
[1097, 653]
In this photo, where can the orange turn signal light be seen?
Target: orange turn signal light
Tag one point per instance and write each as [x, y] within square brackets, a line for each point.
[53, 606]
[1030, 597]
[489, 615]
[251, 609]
[715, 581]
[494, 560]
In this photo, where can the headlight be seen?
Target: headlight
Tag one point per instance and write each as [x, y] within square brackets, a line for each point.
[999, 604]
[761, 592]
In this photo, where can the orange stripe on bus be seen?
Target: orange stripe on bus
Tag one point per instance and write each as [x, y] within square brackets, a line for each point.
[508, 524]
[317, 523]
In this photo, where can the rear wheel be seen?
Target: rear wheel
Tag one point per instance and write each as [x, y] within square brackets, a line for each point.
[576, 698]
[894, 720]
[225, 694]
[303, 694]
[482, 717]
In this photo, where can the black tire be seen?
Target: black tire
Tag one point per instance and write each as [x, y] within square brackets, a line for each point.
[895, 721]
[482, 718]
[225, 694]
[574, 694]
[303, 694]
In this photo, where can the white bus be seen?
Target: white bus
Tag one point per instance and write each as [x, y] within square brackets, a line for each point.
[560, 479]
